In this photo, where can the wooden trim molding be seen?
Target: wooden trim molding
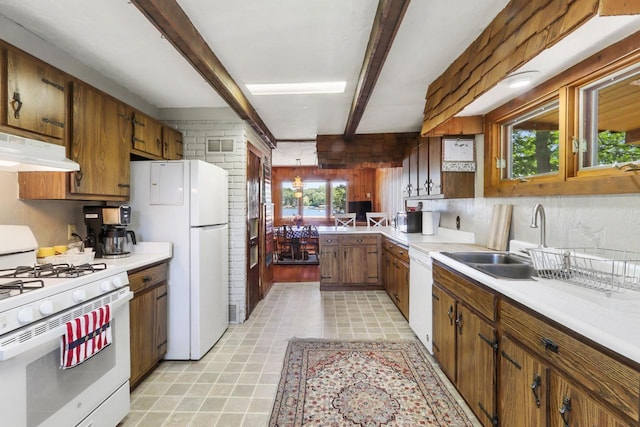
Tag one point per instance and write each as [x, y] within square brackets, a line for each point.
[385, 26]
[174, 24]
[364, 150]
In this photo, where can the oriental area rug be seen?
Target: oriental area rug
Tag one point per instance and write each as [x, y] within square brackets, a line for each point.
[362, 383]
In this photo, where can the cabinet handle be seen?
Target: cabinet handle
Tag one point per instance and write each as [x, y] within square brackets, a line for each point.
[534, 388]
[16, 104]
[359, 240]
[493, 419]
[492, 343]
[510, 359]
[146, 279]
[435, 297]
[161, 296]
[450, 315]
[459, 323]
[138, 140]
[78, 175]
[565, 410]
[124, 185]
[137, 123]
[550, 345]
[53, 122]
[124, 117]
[50, 83]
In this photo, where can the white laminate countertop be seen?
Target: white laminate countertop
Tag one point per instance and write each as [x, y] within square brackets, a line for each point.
[611, 321]
[144, 253]
[443, 235]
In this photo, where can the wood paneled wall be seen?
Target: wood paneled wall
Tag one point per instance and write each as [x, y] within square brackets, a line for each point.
[360, 183]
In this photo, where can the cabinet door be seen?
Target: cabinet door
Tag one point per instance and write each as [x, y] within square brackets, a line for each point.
[444, 331]
[423, 167]
[476, 372]
[143, 341]
[161, 320]
[522, 387]
[571, 407]
[147, 135]
[354, 265]
[171, 143]
[372, 265]
[435, 165]
[329, 266]
[402, 287]
[100, 143]
[410, 173]
[36, 96]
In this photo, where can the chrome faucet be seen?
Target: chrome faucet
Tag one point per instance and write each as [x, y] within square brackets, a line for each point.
[539, 209]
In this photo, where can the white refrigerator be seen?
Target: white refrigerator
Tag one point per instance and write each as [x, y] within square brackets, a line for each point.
[186, 202]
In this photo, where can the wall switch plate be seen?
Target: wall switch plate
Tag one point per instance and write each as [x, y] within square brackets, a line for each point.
[71, 228]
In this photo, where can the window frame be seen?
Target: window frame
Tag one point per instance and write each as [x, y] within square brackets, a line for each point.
[570, 180]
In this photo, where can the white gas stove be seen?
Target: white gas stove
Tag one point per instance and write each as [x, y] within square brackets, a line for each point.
[37, 304]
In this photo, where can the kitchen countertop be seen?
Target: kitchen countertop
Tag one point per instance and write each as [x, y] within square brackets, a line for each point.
[144, 253]
[411, 239]
[610, 321]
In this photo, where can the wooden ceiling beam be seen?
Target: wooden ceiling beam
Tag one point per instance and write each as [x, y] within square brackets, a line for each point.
[385, 26]
[174, 24]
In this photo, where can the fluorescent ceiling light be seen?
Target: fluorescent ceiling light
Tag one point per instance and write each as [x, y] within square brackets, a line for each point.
[296, 88]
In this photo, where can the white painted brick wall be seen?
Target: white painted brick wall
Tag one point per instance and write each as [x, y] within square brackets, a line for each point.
[195, 135]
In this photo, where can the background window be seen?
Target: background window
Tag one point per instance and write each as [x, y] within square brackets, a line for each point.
[338, 197]
[314, 199]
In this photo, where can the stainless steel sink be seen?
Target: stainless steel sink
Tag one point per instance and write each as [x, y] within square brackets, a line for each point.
[484, 257]
[501, 265]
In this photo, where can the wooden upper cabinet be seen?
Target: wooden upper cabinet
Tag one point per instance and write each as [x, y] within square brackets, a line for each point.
[100, 141]
[171, 144]
[147, 136]
[35, 94]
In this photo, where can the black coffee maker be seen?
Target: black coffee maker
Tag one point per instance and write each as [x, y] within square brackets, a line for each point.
[106, 231]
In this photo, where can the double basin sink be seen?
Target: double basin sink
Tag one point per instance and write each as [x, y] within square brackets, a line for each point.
[501, 265]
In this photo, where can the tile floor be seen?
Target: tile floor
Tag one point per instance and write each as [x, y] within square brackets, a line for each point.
[235, 383]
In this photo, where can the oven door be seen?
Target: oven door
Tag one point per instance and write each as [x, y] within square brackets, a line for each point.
[37, 392]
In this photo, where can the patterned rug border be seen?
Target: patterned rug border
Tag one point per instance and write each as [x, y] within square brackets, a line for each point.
[288, 410]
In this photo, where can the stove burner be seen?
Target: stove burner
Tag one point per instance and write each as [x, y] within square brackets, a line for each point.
[53, 270]
[19, 285]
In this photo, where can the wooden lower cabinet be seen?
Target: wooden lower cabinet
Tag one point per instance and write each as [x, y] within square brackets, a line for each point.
[464, 345]
[569, 406]
[148, 319]
[506, 359]
[349, 261]
[395, 274]
[522, 387]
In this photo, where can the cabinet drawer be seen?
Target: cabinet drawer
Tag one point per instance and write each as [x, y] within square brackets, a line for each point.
[329, 240]
[401, 252]
[147, 277]
[388, 244]
[611, 380]
[361, 239]
[479, 298]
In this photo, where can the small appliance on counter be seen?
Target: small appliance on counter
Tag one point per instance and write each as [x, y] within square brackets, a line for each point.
[409, 222]
[106, 231]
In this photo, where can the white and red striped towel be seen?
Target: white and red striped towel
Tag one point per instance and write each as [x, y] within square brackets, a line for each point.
[85, 336]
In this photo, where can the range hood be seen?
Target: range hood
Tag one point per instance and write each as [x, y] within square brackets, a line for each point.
[18, 154]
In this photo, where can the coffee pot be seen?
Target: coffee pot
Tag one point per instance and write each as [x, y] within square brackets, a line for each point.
[107, 232]
[117, 242]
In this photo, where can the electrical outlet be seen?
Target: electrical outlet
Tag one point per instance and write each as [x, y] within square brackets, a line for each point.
[71, 228]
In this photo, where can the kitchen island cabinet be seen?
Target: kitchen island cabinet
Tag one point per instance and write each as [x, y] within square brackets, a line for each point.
[349, 262]
[148, 319]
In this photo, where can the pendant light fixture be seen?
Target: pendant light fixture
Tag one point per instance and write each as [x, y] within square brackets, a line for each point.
[297, 185]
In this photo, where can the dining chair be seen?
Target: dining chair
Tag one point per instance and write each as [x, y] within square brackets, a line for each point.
[284, 248]
[346, 220]
[377, 219]
[309, 242]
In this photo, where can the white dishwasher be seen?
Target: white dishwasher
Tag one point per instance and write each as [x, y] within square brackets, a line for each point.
[420, 302]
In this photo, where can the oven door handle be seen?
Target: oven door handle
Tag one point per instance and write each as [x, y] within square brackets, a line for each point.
[15, 344]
